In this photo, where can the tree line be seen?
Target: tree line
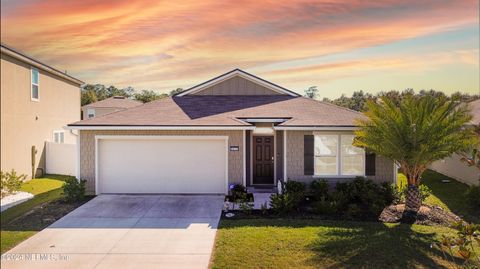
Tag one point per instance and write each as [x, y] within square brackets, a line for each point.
[92, 93]
[358, 100]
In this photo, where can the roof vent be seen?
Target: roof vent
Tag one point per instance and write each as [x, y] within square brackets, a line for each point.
[119, 97]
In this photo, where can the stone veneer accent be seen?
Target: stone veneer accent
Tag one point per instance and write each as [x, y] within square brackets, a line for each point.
[295, 154]
[87, 150]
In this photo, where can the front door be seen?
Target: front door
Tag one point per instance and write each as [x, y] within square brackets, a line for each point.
[263, 160]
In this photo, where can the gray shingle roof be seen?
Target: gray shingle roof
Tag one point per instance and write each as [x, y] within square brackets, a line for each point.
[227, 110]
[115, 102]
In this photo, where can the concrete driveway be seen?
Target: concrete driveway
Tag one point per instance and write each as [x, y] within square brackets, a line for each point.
[126, 231]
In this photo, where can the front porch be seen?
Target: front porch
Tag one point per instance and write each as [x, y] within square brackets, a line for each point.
[264, 158]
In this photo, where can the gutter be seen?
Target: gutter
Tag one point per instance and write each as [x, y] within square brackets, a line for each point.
[19, 56]
[120, 127]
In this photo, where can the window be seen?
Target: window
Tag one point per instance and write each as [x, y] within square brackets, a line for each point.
[336, 156]
[35, 94]
[326, 154]
[59, 136]
[353, 158]
[90, 113]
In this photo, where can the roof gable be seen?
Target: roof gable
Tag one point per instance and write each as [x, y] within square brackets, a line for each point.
[237, 82]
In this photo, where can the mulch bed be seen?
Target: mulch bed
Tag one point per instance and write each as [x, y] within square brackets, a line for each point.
[43, 215]
[427, 215]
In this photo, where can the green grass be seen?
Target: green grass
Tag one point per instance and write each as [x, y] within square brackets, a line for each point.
[9, 239]
[41, 185]
[449, 196]
[45, 190]
[288, 243]
[303, 243]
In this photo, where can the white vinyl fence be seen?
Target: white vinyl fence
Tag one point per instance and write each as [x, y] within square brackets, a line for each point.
[60, 158]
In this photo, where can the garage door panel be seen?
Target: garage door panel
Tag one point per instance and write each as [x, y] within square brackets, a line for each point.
[162, 166]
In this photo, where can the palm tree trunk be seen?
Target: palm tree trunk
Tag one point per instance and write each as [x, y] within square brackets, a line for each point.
[413, 202]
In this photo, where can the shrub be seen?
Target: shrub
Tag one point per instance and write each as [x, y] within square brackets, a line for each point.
[319, 189]
[74, 190]
[325, 206]
[292, 195]
[362, 198]
[473, 197]
[11, 182]
[239, 192]
[294, 187]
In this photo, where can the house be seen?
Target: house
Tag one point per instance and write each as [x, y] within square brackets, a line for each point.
[109, 105]
[235, 128]
[453, 166]
[37, 101]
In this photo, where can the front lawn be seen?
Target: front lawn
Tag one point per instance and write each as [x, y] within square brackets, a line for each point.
[288, 243]
[24, 220]
[316, 243]
[449, 196]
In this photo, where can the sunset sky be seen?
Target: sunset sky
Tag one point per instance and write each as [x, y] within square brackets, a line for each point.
[339, 46]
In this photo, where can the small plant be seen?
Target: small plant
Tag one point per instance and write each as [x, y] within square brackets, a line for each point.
[473, 197]
[238, 192]
[74, 190]
[10, 182]
[462, 246]
[319, 189]
[264, 208]
[292, 195]
[246, 207]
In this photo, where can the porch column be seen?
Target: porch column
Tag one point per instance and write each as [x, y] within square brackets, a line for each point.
[285, 177]
[244, 158]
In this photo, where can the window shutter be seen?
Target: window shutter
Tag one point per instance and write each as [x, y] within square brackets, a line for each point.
[308, 146]
[370, 164]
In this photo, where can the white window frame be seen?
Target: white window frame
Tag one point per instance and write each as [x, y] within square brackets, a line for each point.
[59, 132]
[338, 156]
[341, 162]
[324, 155]
[32, 69]
[88, 113]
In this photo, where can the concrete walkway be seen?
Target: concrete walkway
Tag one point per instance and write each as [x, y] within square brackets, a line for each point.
[126, 231]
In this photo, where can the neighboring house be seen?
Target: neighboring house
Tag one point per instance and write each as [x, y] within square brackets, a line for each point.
[109, 105]
[37, 101]
[453, 166]
[235, 128]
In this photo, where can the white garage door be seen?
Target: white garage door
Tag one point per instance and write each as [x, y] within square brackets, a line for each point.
[162, 165]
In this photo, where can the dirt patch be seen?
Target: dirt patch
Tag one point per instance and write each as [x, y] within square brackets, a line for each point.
[427, 215]
[41, 216]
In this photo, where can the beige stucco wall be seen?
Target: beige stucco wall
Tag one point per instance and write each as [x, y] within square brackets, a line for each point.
[87, 151]
[295, 161]
[26, 123]
[99, 111]
[454, 168]
[236, 86]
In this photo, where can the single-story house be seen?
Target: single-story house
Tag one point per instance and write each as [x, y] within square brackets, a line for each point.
[109, 105]
[453, 166]
[235, 128]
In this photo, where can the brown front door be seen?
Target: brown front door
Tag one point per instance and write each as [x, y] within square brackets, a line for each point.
[263, 160]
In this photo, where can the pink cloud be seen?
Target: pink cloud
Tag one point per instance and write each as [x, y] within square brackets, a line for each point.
[162, 43]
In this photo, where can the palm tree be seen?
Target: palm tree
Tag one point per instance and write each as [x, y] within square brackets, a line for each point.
[414, 133]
